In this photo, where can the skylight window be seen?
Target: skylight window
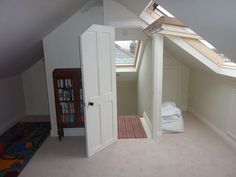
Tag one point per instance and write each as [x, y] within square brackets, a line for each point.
[226, 59]
[126, 53]
[154, 11]
[164, 11]
[207, 44]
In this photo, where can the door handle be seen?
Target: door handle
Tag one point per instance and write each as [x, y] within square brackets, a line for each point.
[90, 103]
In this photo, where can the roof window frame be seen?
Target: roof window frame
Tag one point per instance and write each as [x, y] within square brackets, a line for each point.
[136, 57]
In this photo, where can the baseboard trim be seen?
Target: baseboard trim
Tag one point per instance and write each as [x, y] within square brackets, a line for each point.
[222, 134]
[145, 116]
[146, 128]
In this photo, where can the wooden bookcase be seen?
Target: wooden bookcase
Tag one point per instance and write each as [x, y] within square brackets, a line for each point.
[68, 99]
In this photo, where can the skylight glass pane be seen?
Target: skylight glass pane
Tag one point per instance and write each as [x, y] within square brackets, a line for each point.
[207, 44]
[164, 11]
[125, 52]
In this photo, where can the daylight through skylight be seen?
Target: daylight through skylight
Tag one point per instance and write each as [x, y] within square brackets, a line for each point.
[207, 44]
[154, 11]
[126, 52]
[164, 11]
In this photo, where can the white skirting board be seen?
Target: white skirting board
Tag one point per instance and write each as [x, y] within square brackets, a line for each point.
[222, 134]
[147, 121]
[146, 125]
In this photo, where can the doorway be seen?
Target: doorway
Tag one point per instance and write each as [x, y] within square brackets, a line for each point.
[127, 53]
[128, 120]
[99, 83]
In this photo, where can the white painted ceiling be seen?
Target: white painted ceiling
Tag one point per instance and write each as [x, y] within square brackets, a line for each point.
[135, 6]
[23, 24]
[214, 20]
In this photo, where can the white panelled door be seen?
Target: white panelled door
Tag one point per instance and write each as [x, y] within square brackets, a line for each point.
[99, 84]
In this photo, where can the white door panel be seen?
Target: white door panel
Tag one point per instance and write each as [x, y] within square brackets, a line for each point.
[95, 126]
[99, 83]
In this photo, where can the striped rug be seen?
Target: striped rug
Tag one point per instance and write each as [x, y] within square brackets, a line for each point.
[130, 127]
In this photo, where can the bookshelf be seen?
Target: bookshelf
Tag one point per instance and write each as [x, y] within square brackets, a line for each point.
[68, 99]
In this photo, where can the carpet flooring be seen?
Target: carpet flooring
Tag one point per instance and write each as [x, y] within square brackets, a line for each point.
[130, 127]
[18, 145]
[198, 152]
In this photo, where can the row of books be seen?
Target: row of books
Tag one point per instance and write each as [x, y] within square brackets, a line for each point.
[81, 101]
[67, 118]
[67, 108]
[81, 108]
[81, 94]
[65, 95]
[64, 83]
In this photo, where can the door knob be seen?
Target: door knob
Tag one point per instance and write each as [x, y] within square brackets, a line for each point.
[90, 103]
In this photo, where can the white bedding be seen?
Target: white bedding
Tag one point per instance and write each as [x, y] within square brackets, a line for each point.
[172, 120]
[176, 126]
[169, 109]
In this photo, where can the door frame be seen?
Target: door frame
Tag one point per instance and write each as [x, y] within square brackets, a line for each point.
[157, 57]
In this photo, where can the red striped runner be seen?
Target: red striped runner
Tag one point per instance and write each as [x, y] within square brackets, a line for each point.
[130, 127]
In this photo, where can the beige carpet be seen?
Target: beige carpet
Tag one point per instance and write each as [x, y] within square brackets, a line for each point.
[196, 153]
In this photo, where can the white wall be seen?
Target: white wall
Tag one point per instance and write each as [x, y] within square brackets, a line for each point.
[61, 50]
[127, 97]
[175, 81]
[210, 98]
[145, 82]
[12, 104]
[118, 15]
[35, 89]
[130, 34]
[135, 6]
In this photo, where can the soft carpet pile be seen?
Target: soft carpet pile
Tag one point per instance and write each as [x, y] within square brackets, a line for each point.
[198, 152]
[18, 145]
[130, 127]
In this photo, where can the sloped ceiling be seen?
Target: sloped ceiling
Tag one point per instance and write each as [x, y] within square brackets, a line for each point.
[135, 6]
[214, 20]
[23, 24]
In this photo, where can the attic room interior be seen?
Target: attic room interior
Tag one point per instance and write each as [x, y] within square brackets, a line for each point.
[117, 88]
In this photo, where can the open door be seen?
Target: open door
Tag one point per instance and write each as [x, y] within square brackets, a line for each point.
[99, 83]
